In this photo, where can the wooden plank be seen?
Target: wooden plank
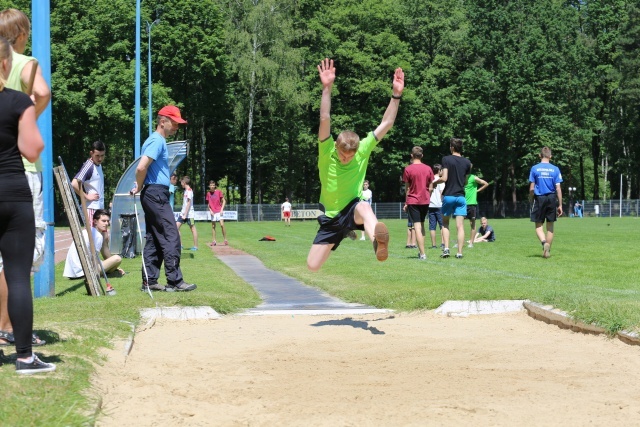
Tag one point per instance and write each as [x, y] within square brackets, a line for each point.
[92, 279]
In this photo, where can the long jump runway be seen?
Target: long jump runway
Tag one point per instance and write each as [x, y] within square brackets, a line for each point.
[282, 294]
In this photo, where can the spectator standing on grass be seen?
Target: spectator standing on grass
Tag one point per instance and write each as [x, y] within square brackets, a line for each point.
[100, 233]
[216, 202]
[435, 206]
[418, 178]
[546, 195]
[92, 179]
[286, 212]
[367, 196]
[342, 166]
[455, 169]
[188, 213]
[474, 186]
[19, 135]
[411, 231]
[25, 76]
[485, 232]
[162, 237]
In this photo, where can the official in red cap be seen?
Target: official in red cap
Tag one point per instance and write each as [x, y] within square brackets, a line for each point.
[162, 238]
[173, 113]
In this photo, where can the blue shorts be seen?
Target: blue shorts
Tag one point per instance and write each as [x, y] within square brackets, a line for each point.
[435, 218]
[456, 205]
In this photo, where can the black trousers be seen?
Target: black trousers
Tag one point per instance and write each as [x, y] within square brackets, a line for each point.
[17, 228]
[163, 240]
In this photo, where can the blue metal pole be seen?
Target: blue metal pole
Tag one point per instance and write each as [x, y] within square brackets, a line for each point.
[149, 75]
[137, 101]
[149, 27]
[44, 280]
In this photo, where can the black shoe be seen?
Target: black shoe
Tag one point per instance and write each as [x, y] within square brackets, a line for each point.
[182, 287]
[26, 368]
[154, 287]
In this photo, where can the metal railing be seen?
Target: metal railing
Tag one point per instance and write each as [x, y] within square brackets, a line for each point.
[609, 208]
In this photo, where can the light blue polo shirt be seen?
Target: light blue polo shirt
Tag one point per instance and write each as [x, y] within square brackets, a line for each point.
[155, 147]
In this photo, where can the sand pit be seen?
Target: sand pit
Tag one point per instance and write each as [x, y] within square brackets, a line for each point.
[369, 370]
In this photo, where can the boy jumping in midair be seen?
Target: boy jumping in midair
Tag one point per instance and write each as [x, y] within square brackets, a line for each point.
[342, 166]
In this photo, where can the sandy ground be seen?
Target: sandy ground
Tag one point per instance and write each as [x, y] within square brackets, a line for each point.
[371, 370]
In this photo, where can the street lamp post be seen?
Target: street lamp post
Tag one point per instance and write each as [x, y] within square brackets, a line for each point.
[149, 26]
[571, 191]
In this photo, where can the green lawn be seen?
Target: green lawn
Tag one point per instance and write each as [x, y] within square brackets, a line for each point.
[591, 274]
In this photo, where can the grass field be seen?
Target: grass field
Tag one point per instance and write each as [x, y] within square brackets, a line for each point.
[592, 274]
[592, 271]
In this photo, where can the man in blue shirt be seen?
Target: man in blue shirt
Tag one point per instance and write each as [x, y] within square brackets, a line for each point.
[546, 195]
[162, 238]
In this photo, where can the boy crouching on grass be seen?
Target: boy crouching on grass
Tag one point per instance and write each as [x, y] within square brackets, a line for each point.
[342, 167]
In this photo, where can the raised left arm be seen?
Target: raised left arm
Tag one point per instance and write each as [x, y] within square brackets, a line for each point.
[392, 109]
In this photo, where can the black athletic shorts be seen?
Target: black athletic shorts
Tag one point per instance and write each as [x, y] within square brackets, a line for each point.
[334, 230]
[471, 211]
[417, 213]
[544, 208]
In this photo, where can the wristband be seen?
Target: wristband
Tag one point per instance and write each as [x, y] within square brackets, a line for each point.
[396, 97]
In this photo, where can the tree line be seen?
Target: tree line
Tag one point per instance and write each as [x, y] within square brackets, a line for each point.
[507, 77]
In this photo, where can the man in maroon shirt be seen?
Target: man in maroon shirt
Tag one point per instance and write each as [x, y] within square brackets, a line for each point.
[417, 177]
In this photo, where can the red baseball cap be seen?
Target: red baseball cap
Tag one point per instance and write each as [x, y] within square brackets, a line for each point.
[173, 113]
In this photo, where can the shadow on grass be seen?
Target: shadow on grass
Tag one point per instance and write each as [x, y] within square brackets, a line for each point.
[74, 285]
[49, 337]
[7, 358]
[348, 321]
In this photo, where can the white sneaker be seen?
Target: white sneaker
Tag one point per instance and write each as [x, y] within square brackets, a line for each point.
[469, 245]
[422, 256]
[362, 238]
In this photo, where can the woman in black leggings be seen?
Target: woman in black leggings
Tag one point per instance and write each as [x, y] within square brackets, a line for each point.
[19, 135]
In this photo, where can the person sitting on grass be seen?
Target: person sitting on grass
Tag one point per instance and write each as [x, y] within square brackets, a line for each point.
[485, 232]
[100, 233]
[342, 166]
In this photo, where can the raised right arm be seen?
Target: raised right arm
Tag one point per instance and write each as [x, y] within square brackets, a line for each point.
[327, 76]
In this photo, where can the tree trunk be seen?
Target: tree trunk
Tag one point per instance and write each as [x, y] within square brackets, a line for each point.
[252, 101]
[203, 162]
[605, 175]
[595, 153]
[582, 177]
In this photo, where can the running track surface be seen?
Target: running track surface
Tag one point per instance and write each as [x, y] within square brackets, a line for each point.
[62, 238]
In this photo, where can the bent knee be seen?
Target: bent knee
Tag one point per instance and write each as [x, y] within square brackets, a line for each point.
[313, 266]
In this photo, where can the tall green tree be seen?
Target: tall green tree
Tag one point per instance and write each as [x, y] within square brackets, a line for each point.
[265, 66]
